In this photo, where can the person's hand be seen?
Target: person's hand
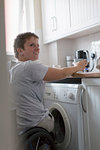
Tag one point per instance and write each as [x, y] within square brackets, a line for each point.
[81, 65]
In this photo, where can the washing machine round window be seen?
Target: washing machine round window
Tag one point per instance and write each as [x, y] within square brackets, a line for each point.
[62, 128]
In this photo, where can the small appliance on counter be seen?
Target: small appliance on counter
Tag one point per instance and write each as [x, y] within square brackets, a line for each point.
[69, 61]
[98, 63]
[84, 54]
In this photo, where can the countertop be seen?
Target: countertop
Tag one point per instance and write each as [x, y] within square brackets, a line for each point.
[77, 79]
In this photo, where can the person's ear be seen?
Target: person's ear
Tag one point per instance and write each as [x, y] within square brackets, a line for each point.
[20, 51]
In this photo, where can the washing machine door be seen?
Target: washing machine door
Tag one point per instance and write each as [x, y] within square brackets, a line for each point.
[62, 126]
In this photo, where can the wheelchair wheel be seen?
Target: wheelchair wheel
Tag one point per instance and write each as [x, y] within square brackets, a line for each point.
[37, 138]
[40, 141]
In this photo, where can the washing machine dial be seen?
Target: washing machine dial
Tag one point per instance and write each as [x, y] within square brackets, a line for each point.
[71, 96]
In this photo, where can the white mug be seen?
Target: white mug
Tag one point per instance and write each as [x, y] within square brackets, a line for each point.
[98, 63]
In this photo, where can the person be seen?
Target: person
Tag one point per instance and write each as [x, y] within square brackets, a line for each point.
[28, 78]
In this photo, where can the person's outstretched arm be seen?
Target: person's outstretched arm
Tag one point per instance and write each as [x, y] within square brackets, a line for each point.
[57, 74]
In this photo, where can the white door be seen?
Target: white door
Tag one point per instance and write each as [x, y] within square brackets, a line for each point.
[63, 18]
[92, 117]
[93, 12]
[84, 14]
[48, 19]
[55, 19]
[78, 13]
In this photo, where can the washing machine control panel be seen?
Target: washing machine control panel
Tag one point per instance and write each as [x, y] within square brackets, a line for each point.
[62, 93]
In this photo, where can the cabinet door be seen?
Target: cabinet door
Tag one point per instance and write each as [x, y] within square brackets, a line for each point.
[48, 19]
[78, 13]
[62, 17]
[93, 12]
[84, 13]
[92, 118]
[55, 19]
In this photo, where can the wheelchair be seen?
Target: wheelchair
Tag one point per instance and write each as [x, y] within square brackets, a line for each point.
[36, 138]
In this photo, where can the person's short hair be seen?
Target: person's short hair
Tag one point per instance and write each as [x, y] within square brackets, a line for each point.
[21, 39]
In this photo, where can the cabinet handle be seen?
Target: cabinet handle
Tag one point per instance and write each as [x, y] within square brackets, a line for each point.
[54, 23]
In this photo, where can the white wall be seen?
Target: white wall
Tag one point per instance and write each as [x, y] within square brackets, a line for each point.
[53, 54]
[86, 42]
[64, 48]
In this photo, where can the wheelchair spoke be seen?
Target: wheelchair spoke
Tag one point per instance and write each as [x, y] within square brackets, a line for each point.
[37, 143]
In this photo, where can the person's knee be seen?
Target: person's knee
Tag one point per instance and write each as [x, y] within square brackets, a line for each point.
[47, 123]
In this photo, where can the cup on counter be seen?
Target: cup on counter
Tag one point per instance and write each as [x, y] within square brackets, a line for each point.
[98, 63]
[69, 61]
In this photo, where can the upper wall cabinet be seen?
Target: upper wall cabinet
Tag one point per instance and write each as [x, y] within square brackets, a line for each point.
[48, 19]
[55, 19]
[62, 18]
[84, 13]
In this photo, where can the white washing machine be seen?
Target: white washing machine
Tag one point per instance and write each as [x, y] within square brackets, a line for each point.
[64, 102]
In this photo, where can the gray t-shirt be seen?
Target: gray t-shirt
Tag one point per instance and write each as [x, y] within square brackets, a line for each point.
[26, 79]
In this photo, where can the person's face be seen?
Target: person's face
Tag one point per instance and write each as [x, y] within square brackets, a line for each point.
[31, 49]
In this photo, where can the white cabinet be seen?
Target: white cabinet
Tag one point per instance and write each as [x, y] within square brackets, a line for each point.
[62, 18]
[92, 115]
[84, 14]
[77, 15]
[55, 19]
[48, 19]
